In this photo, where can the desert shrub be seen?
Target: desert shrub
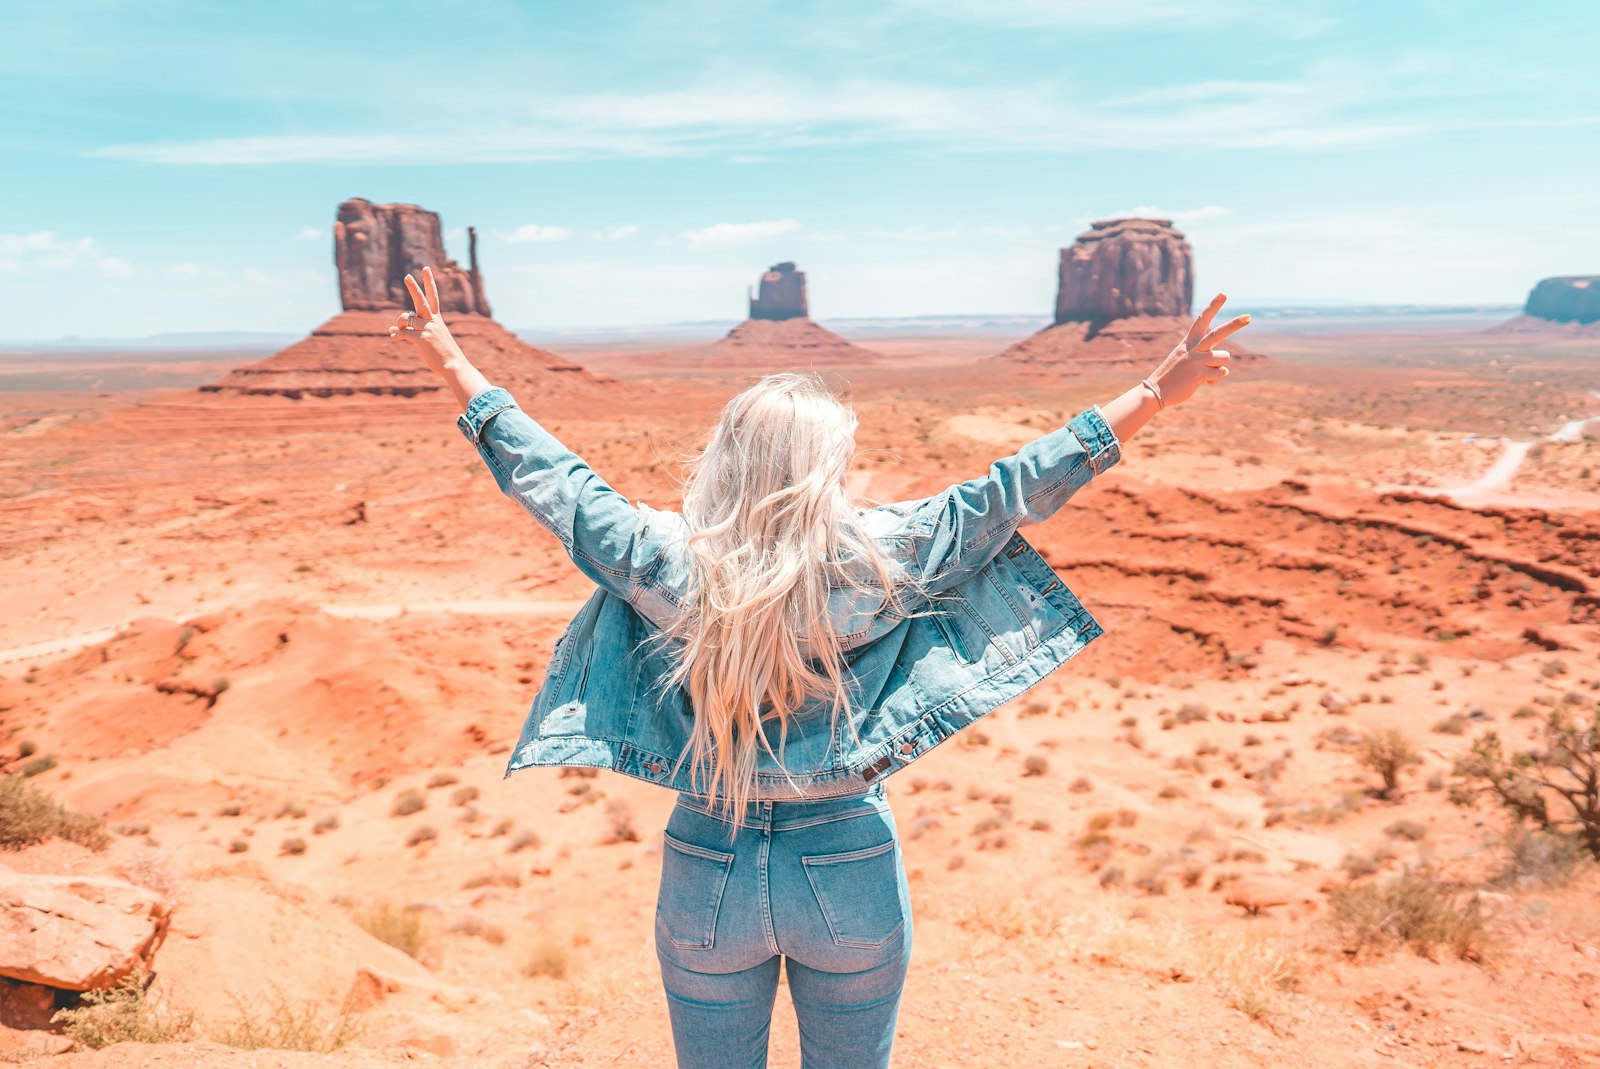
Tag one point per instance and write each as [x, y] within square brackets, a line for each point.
[1555, 785]
[29, 816]
[547, 958]
[1388, 753]
[1411, 830]
[477, 926]
[1035, 764]
[124, 1013]
[1454, 724]
[1540, 859]
[327, 823]
[424, 834]
[621, 817]
[522, 840]
[1414, 909]
[464, 795]
[279, 1023]
[38, 765]
[293, 845]
[443, 779]
[399, 927]
[409, 802]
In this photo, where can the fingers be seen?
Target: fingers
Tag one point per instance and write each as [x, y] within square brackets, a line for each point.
[1217, 358]
[1237, 323]
[1202, 322]
[433, 291]
[1221, 374]
[423, 312]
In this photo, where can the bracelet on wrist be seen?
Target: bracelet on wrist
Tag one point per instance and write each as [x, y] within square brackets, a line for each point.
[1147, 384]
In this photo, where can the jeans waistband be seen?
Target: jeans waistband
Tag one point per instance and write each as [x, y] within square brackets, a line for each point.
[872, 797]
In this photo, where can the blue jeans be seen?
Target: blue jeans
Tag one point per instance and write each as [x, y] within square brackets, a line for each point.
[818, 885]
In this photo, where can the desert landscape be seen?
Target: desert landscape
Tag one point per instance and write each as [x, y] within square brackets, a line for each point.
[269, 633]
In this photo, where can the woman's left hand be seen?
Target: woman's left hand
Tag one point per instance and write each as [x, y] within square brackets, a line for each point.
[426, 326]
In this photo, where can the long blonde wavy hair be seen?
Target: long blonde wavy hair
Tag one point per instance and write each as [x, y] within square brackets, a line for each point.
[772, 531]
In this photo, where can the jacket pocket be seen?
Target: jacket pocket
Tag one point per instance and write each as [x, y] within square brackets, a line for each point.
[693, 879]
[859, 894]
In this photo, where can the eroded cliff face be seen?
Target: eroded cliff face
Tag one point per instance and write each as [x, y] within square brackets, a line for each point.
[1570, 299]
[782, 294]
[376, 245]
[1125, 267]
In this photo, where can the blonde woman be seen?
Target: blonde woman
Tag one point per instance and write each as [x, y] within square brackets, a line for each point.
[773, 653]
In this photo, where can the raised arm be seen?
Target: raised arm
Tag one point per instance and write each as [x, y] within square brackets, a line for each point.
[958, 531]
[600, 530]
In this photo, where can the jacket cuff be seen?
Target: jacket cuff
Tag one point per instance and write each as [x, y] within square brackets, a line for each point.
[483, 405]
[1098, 439]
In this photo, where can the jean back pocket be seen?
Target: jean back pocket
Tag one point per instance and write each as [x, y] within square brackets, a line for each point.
[859, 894]
[692, 881]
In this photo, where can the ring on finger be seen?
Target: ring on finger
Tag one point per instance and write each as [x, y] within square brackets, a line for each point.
[411, 320]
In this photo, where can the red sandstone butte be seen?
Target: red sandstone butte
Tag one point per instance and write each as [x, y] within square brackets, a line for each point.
[375, 246]
[1125, 294]
[779, 333]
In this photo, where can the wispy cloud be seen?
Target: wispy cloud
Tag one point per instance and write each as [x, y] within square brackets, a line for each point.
[1182, 217]
[45, 250]
[534, 234]
[1327, 106]
[724, 234]
[614, 233]
[310, 233]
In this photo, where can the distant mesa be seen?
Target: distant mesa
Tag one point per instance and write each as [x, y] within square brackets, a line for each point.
[782, 294]
[779, 333]
[374, 247]
[1566, 305]
[1124, 297]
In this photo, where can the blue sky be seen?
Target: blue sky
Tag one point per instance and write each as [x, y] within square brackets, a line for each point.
[175, 166]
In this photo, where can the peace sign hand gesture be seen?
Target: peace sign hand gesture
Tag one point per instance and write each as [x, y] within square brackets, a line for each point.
[1195, 360]
[425, 326]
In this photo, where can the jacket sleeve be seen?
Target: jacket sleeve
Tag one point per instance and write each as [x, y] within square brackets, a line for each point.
[602, 532]
[956, 532]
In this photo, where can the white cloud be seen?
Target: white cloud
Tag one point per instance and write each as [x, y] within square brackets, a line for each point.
[1328, 106]
[45, 250]
[1183, 217]
[310, 233]
[534, 234]
[724, 234]
[615, 233]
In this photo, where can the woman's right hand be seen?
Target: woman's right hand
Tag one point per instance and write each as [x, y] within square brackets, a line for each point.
[1195, 360]
[425, 326]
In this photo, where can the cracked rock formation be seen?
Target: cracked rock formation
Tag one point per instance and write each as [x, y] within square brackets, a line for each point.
[1125, 293]
[375, 246]
[1568, 305]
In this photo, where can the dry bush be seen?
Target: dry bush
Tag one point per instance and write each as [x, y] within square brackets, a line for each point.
[123, 1014]
[1035, 764]
[1251, 969]
[1410, 830]
[29, 816]
[522, 840]
[400, 927]
[464, 795]
[1555, 785]
[1388, 753]
[1414, 909]
[293, 845]
[621, 817]
[549, 957]
[443, 779]
[408, 802]
[482, 929]
[424, 834]
[324, 824]
[279, 1023]
[1538, 858]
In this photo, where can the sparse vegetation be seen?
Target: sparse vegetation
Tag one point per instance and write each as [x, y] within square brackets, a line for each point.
[124, 1013]
[279, 1023]
[1388, 753]
[409, 802]
[1555, 785]
[400, 928]
[1413, 909]
[29, 816]
[547, 958]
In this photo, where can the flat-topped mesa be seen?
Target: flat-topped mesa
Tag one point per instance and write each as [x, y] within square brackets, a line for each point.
[782, 294]
[1569, 299]
[376, 245]
[1123, 268]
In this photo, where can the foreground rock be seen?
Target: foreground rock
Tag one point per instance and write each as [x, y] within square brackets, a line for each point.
[77, 932]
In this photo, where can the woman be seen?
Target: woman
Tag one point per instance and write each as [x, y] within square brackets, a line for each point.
[772, 653]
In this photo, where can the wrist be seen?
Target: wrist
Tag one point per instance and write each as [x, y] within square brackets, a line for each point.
[1151, 393]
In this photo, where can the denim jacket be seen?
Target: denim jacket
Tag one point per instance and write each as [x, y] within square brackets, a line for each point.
[1006, 620]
